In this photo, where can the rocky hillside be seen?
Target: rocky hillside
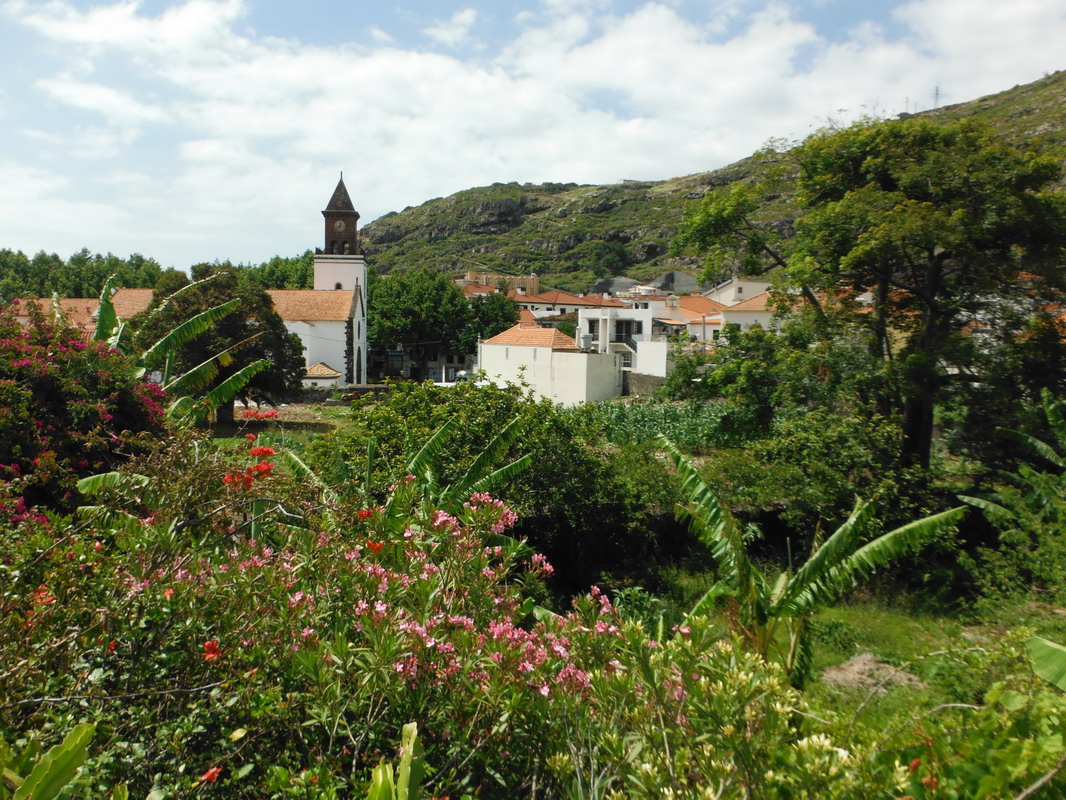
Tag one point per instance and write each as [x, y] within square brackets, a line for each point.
[573, 234]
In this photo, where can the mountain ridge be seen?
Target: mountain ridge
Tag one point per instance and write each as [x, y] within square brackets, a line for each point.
[574, 234]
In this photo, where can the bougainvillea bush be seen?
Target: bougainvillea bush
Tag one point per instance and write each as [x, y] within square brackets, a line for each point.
[68, 408]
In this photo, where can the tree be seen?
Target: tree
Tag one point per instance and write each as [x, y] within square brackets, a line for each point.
[251, 332]
[82, 275]
[937, 226]
[914, 232]
[419, 310]
[489, 314]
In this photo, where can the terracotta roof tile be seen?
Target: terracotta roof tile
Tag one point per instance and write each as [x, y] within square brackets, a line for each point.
[321, 370]
[312, 304]
[756, 303]
[130, 302]
[698, 304]
[531, 335]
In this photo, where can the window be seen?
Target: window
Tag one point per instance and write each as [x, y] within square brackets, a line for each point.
[627, 359]
[337, 285]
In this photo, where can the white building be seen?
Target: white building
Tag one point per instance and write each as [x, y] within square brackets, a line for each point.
[552, 364]
[737, 290]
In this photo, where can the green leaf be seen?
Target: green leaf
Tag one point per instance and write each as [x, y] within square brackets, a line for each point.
[58, 766]
[106, 318]
[409, 775]
[120, 792]
[188, 330]
[382, 786]
[1048, 659]
[111, 480]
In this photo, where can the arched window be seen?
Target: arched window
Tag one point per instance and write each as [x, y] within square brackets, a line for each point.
[347, 248]
[333, 247]
[337, 285]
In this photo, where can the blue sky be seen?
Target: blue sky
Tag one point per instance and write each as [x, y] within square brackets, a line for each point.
[213, 129]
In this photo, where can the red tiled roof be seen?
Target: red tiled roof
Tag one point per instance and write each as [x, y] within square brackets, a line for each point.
[291, 304]
[312, 304]
[477, 289]
[321, 370]
[557, 298]
[525, 315]
[698, 304]
[532, 335]
[756, 303]
[130, 302]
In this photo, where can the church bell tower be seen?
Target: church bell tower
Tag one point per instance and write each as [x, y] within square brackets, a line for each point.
[340, 267]
[342, 233]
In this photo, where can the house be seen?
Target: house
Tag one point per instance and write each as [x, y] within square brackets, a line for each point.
[551, 363]
[554, 303]
[641, 332]
[737, 290]
[753, 311]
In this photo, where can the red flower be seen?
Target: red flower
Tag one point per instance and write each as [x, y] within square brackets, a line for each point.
[365, 513]
[262, 469]
[251, 437]
[211, 651]
[375, 546]
[111, 647]
[211, 775]
[41, 596]
[259, 452]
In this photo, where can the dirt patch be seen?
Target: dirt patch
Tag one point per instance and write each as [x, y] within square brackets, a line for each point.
[866, 672]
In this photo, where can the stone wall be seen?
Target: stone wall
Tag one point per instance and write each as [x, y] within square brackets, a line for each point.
[634, 384]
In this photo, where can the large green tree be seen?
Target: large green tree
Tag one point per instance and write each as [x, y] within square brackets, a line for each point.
[917, 233]
[82, 275]
[253, 331]
[421, 311]
[489, 314]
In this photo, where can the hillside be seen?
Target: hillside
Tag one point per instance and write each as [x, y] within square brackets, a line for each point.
[578, 233]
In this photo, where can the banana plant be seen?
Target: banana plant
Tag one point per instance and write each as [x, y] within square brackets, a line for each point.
[52, 772]
[403, 782]
[162, 354]
[772, 615]
[1042, 502]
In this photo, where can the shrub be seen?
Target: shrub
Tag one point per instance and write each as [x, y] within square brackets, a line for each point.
[67, 409]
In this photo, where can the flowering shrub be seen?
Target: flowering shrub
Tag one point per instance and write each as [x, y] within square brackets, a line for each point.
[67, 409]
[230, 642]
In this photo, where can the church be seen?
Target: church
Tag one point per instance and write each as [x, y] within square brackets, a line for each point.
[330, 319]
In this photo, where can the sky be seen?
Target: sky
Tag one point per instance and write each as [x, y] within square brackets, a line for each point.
[209, 130]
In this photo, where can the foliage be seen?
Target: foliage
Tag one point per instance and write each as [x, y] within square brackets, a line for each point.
[1029, 514]
[692, 425]
[569, 486]
[284, 273]
[421, 311]
[936, 225]
[489, 314]
[82, 275]
[253, 331]
[67, 409]
[761, 610]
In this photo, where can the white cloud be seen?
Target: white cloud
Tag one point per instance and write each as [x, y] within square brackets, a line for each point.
[455, 31]
[115, 105]
[247, 134]
[380, 36]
